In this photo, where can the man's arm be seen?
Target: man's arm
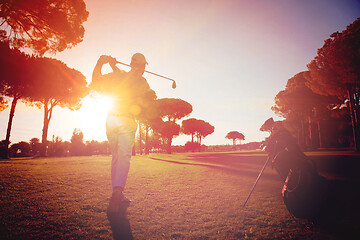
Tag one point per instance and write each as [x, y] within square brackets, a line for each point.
[98, 79]
[97, 70]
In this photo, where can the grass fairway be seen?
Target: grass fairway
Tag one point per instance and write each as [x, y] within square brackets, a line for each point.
[179, 196]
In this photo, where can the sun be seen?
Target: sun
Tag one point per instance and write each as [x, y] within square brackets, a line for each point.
[91, 117]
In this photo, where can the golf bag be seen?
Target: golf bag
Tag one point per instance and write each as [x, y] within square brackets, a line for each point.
[304, 191]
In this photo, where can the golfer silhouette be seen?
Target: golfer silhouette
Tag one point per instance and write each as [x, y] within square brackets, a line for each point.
[129, 91]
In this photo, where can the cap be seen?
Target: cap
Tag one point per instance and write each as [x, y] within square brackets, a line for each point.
[138, 58]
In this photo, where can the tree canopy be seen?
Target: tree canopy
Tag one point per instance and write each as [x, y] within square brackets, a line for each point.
[335, 71]
[234, 135]
[13, 73]
[43, 25]
[54, 84]
[196, 127]
[297, 97]
[170, 109]
[14, 81]
[77, 142]
[173, 108]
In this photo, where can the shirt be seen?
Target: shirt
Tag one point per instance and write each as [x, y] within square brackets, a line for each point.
[131, 94]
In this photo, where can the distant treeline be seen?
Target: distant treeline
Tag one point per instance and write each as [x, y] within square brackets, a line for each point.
[77, 147]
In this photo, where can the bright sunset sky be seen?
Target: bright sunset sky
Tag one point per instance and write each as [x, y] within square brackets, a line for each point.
[229, 58]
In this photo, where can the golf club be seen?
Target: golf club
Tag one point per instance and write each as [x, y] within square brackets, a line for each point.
[257, 180]
[173, 84]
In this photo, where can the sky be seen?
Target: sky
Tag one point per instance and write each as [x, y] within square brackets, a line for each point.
[228, 58]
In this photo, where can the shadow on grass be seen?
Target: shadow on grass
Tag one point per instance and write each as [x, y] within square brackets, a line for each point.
[119, 223]
[222, 163]
[342, 209]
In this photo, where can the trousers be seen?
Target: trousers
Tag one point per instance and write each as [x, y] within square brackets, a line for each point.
[120, 132]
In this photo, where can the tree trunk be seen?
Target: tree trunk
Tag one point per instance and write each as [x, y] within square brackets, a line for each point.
[48, 107]
[140, 138]
[169, 145]
[301, 140]
[319, 132]
[146, 140]
[44, 131]
[8, 131]
[311, 140]
[354, 118]
[133, 150]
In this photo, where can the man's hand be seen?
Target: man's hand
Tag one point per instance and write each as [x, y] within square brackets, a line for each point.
[107, 59]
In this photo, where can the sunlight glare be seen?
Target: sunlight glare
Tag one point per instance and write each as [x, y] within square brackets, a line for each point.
[91, 117]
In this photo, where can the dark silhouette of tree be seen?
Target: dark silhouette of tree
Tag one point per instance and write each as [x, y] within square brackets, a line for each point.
[235, 135]
[21, 149]
[77, 145]
[153, 141]
[171, 109]
[196, 127]
[4, 149]
[168, 129]
[146, 116]
[104, 148]
[190, 127]
[58, 148]
[91, 148]
[35, 146]
[14, 80]
[335, 71]
[43, 25]
[301, 107]
[54, 84]
[192, 146]
[205, 130]
[96, 148]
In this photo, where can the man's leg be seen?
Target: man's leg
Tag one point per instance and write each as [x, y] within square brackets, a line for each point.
[121, 139]
[121, 160]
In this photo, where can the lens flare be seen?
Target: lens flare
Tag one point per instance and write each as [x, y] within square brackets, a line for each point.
[91, 117]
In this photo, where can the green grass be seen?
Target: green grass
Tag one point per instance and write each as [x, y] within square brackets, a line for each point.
[179, 196]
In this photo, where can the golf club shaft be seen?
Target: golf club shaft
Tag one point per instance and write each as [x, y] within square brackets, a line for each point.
[257, 180]
[148, 72]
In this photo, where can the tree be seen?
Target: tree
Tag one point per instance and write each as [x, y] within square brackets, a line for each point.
[300, 106]
[196, 127]
[335, 71]
[192, 146]
[168, 129]
[55, 84]
[190, 127]
[58, 148]
[43, 25]
[77, 145]
[171, 109]
[21, 149]
[205, 130]
[146, 116]
[35, 146]
[234, 135]
[14, 81]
